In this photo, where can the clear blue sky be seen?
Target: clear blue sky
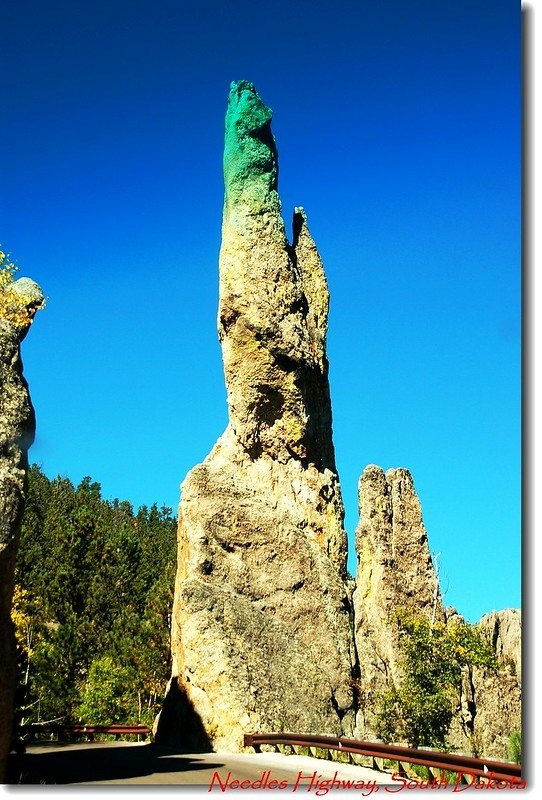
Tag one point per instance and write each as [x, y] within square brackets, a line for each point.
[398, 129]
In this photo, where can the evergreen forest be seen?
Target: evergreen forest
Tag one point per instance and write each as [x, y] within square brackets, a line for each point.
[92, 605]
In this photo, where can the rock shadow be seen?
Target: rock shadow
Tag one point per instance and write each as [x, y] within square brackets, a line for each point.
[179, 725]
[94, 762]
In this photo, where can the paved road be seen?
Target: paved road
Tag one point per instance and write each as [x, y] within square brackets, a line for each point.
[141, 763]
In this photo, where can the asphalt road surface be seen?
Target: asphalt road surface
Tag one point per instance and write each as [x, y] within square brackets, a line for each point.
[142, 763]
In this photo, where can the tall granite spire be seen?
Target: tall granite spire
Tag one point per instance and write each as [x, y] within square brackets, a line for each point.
[273, 302]
[261, 634]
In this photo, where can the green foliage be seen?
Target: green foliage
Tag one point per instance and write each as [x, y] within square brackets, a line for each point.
[106, 696]
[420, 771]
[419, 710]
[96, 590]
[514, 747]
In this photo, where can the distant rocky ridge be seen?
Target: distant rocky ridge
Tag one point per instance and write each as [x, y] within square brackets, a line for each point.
[268, 633]
[17, 426]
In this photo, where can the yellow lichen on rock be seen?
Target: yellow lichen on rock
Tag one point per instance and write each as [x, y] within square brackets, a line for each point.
[19, 299]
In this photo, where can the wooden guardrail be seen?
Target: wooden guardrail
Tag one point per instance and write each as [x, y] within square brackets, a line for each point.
[88, 731]
[499, 771]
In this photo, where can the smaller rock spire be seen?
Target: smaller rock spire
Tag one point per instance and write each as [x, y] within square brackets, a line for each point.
[395, 570]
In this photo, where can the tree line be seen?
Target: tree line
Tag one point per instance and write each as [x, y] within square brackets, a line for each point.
[92, 605]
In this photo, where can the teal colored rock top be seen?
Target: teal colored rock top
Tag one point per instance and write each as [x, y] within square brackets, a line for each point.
[250, 153]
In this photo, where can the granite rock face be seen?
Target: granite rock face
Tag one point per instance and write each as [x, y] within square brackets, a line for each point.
[503, 630]
[489, 707]
[395, 570]
[261, 634]
[17, 427]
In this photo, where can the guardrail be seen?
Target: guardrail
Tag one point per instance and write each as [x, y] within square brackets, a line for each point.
[480, 768]
[88, 731]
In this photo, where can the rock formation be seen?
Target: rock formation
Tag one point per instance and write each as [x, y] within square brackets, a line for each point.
[503, 629]
[395, 570]
[490, 702]
[264, 633]
[18, 303]
[261, 635]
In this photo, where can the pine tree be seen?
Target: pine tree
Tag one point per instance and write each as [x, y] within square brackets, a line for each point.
[96, 587]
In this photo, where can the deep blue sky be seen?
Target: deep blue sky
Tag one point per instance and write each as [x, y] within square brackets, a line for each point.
[398, 129]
